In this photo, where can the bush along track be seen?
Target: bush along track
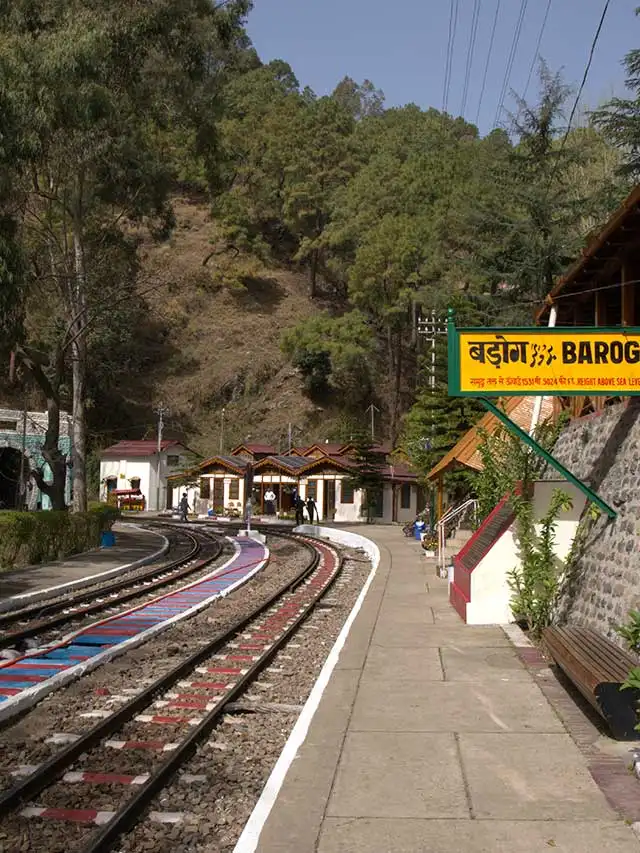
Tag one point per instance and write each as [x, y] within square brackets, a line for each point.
[153, 734]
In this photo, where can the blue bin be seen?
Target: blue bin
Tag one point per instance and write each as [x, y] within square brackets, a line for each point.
[418, 529]
[107, 539]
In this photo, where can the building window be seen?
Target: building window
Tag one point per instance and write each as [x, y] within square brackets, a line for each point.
[8, 426]
[173, 461]
[112, 484]
[347, 492]
[234, 490]
[135, 482]
[405, 496]
[312, 489]
[205, 488]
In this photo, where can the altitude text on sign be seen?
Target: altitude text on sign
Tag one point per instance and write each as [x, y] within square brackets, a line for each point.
[551, 362]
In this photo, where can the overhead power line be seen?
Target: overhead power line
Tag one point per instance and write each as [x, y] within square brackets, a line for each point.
[510, 60]
[453, 26]
[477, 6]
[486, 65]
[580, 90]
[536, 53]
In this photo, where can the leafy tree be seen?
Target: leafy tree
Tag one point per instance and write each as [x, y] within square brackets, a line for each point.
[332, 355]
[368, 473]
[361, 100]
[619, 119]
[93, 90]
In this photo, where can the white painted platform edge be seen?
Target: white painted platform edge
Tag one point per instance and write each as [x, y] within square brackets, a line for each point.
[248, 841]
[15, 602]
[33, 695]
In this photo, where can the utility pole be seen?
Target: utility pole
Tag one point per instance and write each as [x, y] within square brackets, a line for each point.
[23, 484]
[429, 328]
[373, 409]
[222, 431]
[290, 438]
[161, 410]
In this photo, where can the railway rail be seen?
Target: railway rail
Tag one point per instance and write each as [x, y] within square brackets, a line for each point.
[46, 616]
[191, 699]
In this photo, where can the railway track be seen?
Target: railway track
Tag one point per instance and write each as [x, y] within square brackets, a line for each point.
[40, 618]
[191, 699]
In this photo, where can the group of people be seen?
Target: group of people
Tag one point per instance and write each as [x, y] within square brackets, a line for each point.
[270, 506]
[299, 505]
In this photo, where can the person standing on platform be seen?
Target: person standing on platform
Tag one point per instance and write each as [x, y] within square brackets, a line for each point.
[312, 509]
[270, 501]
[184, 507]
[299, 505]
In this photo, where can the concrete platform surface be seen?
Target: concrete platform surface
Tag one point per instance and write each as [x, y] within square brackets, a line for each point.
[133, 546]
[433, 737]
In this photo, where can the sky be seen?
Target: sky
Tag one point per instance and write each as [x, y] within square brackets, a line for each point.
[401, 47]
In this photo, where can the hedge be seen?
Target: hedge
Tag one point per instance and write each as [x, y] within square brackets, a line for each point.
[28, 538]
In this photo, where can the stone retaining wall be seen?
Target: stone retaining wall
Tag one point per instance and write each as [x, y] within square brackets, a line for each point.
[604, 451]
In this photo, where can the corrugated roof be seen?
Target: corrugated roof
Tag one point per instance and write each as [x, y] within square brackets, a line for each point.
[465, 452]
[235, 462]
[255, 448]
[146, 447]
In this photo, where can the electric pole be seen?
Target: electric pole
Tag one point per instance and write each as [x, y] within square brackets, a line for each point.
[222, 431]
[161, 410]
[373, 409]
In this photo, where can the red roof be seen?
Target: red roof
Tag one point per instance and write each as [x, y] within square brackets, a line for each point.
[147, 447]
[254, 448]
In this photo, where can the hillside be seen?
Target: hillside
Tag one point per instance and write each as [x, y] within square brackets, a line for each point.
[222, 343]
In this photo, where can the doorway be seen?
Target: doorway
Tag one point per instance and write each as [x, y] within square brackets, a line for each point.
[329, 499]
[10, 477]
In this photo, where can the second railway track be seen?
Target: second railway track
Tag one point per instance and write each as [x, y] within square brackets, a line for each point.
[16, 626]
[211, 678]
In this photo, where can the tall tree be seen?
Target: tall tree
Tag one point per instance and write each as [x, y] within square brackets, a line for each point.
[94, 86]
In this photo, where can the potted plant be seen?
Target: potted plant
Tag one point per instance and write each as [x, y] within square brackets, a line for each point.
[430, 544]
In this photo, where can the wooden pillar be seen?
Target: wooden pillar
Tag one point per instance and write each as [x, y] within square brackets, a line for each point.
[440, 501]
[628, 295]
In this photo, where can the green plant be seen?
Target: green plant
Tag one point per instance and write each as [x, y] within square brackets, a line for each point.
[536, 583]
[630, 633]
[28, 538]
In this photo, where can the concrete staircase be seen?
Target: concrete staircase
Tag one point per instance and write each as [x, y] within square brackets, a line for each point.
[456, 543]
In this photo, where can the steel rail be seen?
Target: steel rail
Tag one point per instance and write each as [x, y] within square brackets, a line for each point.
[9, 639]
[49, 771]
[127, 817]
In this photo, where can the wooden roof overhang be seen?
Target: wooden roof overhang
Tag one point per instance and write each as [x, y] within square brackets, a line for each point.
[602, 258]
[234, 466]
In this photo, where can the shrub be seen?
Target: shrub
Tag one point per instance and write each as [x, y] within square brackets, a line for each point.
[27, 538]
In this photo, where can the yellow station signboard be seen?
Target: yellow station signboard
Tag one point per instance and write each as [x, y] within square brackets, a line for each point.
[543, 361]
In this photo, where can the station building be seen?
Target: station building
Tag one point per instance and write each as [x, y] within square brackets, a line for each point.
[321, 471]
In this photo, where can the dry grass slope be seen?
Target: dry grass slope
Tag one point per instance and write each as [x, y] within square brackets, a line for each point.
[223, 341]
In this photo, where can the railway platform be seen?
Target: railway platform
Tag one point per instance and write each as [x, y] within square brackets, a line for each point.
[134, 547]
[433, 736]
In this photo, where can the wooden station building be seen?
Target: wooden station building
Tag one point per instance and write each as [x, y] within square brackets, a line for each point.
[320, 471]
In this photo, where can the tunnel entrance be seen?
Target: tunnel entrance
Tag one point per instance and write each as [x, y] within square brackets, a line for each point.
[10, 477]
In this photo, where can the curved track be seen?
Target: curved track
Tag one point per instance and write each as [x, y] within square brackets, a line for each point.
[24, 680]
[211, 678]
[46, 615]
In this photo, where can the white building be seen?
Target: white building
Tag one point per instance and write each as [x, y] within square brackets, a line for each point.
[136, 465]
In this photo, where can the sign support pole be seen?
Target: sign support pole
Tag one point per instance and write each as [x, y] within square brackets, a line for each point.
[533, 444]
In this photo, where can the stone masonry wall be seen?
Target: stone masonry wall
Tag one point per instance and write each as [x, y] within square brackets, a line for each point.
[604, 451]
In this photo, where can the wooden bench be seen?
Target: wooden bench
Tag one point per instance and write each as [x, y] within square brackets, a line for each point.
[598, 668]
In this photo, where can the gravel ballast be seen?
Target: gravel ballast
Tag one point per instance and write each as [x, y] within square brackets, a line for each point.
[216, 791]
